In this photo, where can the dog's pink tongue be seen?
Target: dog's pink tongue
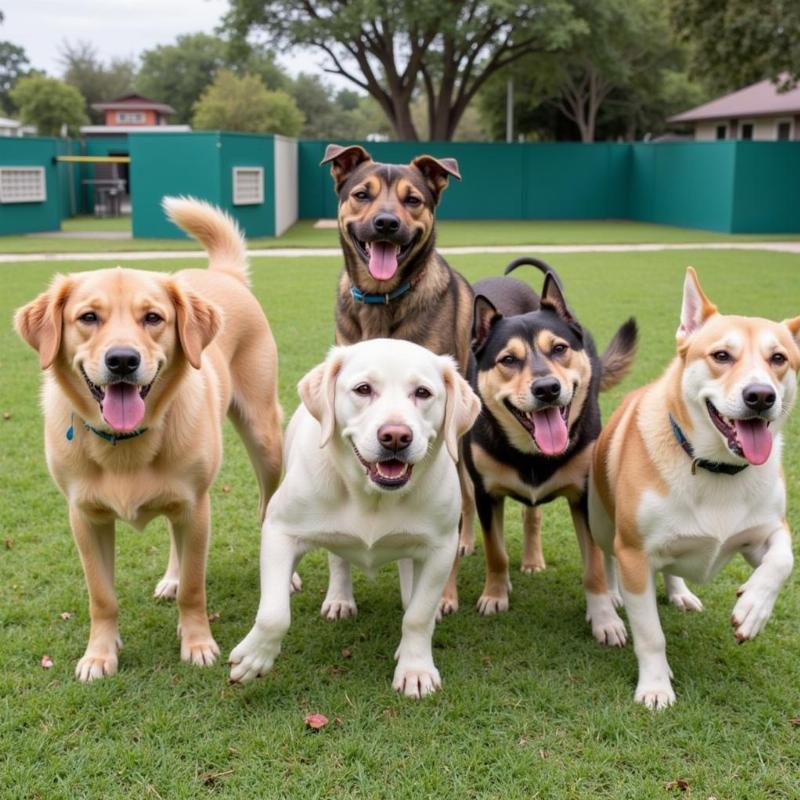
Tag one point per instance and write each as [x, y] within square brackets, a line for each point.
[755, 438]
[383, 260]
[393, 468]
[550, 431]
[123, 407]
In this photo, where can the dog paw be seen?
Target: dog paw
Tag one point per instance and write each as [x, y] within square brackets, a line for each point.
[339, 608]
[489, 604]
[616, 599]
[655, 696]
[607, 627]
[466, 548]
[252, 658]
[200, 650]
[99, 661]
[416, 681]
[530, 567]
[166, 589]
[751, 612]
[296, 584]
[685, 601]
[447, 606]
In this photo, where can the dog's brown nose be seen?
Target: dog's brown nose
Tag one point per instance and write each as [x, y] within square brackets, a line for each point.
[386, 223]
[395, 437]
[759, 396]
[546, 390]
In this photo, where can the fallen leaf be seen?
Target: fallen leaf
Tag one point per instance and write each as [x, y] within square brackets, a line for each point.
[347, 652]
[9, 543]
[210, 778]
[214, 617]
[337, 671]
[680, 783]
[795, 723]
[316, 721]
[65, 615]
[339, 721]
[544, 755]
[226, 488]
[46, 661]
[6, 415]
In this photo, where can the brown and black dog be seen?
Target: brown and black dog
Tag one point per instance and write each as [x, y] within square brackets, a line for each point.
[394, 283]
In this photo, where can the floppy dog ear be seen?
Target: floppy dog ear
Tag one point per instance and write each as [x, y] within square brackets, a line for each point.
[345, 160]
[484, 317]
[198, 322]
[317, 390]
[40, 322]
[462, 408]
[696, 308]
[437, 172]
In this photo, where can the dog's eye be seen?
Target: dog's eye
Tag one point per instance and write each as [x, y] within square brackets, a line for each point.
[362, 195]
[508, 360]
[151, 318]
[559, 349]
[363, 389]
[89, 318]
[422, 393]
[777, 359]
[413, 200]
[722, 357]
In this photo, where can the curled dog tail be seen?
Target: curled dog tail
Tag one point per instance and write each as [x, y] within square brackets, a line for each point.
[532, 261]
[618, 356]
[215, 230]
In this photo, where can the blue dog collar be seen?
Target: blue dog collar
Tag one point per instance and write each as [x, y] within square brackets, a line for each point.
[379, 299]
[109, 437]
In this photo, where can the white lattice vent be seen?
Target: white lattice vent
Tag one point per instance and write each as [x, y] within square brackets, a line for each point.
[22, 185]
[248, 186]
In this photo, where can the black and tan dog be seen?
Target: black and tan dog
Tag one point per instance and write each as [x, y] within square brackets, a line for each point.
[394, 283]
[538, 374]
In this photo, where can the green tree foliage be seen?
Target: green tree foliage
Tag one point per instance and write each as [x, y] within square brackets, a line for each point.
[243, 103]
[49, 103]
[96, 81]
[391, 48]
[13, 66]
[738, 42]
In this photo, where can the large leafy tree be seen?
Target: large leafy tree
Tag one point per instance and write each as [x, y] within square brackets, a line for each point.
[49, 103]
[737, 42]
[243, 103]
[96, 81]
[392, 49]
[13, 65]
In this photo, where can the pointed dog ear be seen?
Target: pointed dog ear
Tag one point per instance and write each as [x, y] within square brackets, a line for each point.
[794, 329]
[345, 160]
[437, 172]
[198, 322]
[461, 409]
[317, 390]
[696, 308]
[40, 322]
[484, 317]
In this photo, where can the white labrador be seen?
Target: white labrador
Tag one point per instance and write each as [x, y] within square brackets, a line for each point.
[368, 478]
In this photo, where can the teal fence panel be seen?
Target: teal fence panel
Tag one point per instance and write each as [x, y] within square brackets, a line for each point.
[34, 151]
[767, 187]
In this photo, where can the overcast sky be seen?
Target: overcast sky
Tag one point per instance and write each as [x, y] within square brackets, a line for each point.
[117, 28]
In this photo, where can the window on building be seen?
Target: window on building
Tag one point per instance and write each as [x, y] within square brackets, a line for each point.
[722, 131]
[747, 130]
[130, 116]
[248, 186]
[22, 185]
[784, 130]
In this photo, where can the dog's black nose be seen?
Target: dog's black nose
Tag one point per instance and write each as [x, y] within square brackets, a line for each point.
[759, 396]
[395, 437]
[122, 361]
[386, 223]
[546, 390]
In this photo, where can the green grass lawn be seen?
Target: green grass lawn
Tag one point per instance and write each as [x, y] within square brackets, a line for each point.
[532, 706]
[449, 233]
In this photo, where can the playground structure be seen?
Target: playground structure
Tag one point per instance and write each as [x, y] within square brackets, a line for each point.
[267, 182]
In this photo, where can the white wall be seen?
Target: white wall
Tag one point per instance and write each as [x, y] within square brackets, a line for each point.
[285, 183]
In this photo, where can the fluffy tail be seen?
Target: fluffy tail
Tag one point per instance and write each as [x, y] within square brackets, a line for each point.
[618, 356]
[215, 230]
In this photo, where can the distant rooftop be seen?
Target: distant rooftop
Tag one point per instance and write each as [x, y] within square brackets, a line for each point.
[137, 101]
[759, 100]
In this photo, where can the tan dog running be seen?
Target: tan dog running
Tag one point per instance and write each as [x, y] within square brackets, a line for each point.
[687, 473]
[139, 373]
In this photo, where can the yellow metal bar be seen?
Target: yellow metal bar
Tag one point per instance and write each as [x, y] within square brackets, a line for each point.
[95, 159]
